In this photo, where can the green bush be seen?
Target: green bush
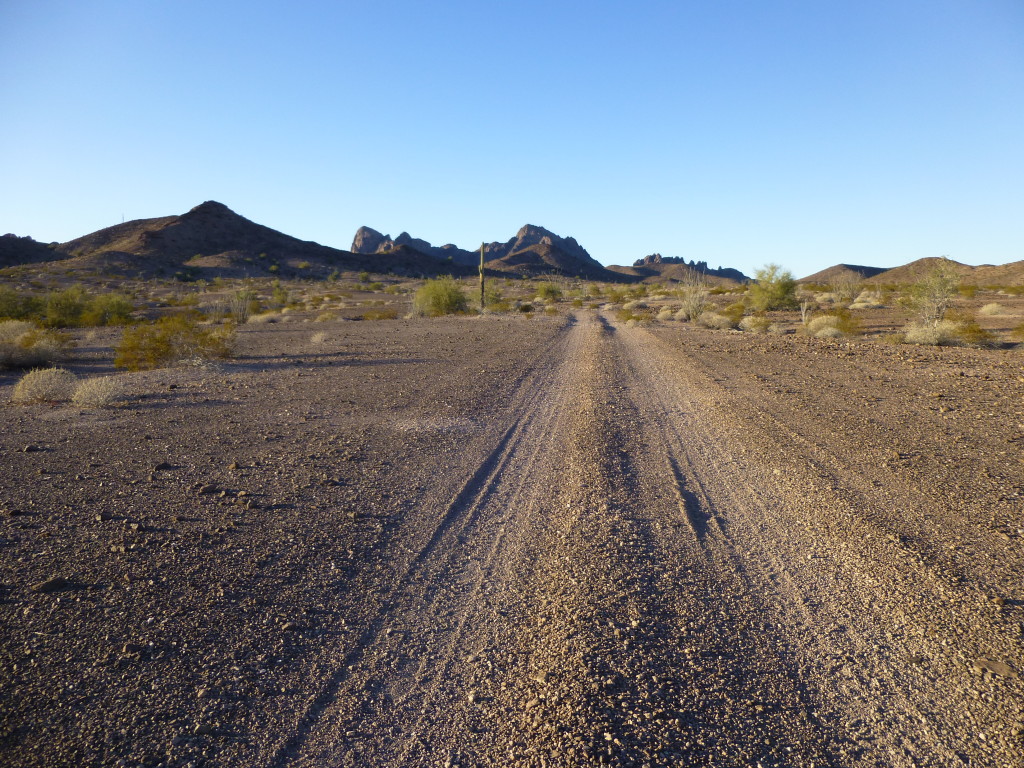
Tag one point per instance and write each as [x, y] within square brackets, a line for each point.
[774, 288]
[16, 306]
[169, 340]
[549, 292]
[63, 309]
[107, 309]
[443, 296]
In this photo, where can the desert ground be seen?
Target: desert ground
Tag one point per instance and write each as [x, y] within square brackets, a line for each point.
[551, 540]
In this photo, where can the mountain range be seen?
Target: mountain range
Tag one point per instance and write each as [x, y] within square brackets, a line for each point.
[211, 241]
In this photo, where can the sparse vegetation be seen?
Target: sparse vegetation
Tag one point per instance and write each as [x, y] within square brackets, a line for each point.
[97, 392]
[549, 292]
[172, 339]
[45, 385]
[774, 288]
[756, 324]
[932, 296]
[992, 310]
[443, 296]
[380, 314]
[693, 296]
[23, 344]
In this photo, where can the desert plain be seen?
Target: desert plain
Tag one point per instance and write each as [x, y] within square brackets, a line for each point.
[548, 539]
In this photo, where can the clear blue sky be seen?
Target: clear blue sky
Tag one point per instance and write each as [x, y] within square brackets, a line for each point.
[793, 131]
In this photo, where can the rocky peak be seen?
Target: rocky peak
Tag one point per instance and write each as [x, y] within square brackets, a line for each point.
[368, 240]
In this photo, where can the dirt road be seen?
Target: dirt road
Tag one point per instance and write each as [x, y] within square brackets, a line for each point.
[584, 543]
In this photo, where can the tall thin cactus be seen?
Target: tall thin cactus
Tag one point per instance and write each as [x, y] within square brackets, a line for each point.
[482, 299]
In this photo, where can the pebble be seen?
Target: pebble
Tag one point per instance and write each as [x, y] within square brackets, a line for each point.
[208, 489]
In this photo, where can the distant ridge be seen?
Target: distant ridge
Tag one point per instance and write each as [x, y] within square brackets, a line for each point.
[211, 241]
[533, 251]
[840, 272]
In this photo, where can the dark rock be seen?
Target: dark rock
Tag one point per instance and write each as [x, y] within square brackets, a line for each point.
[56, 584]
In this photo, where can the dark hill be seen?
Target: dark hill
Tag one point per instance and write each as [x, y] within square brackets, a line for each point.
[209, 241]
[533, 251]
[24, 250]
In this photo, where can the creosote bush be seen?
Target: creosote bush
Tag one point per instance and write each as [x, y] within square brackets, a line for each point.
[172, 339]
[549, 292]
[45, 385]
[442, 296]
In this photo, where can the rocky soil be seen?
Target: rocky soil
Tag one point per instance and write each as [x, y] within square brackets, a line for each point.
[492, 541]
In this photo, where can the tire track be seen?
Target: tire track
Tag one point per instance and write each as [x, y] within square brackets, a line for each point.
[435, 583]
[888, 708]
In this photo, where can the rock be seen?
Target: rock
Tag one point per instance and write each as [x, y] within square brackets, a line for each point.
[981, 666]
[32, 449]
[290, 626]
[56, 584]
[532, 703]
[163, 466]
[202, 729]
[234, 465]
[204, 693]
[204, 489]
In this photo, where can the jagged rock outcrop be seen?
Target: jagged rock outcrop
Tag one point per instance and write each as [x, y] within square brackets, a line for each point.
[658, 263]
[533, 250]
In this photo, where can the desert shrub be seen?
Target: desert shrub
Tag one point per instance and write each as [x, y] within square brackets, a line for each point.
[931, 297]
[364, 277]
[550, 310]
[23, 344]
[17, 306]
[549, 292]
[1017, 332]
[969, 332]
[577, 303]
[107, 309]
[241, 305]
[97, 392]
[833, 325]
[172, 339]
[525, 307]
[735, 312]
[755, 324]
[715, 320]
[846, 287]
[693, 298]
[318, 338]
[44, 385]
[63, 309]
[867, 300]
[635, 304]
[325, 317]
[943, 333]
[666, 314]
[774, 288]
[442, 296]
[493, 298]
[992, 309]
[968, 291]
[380, 314]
